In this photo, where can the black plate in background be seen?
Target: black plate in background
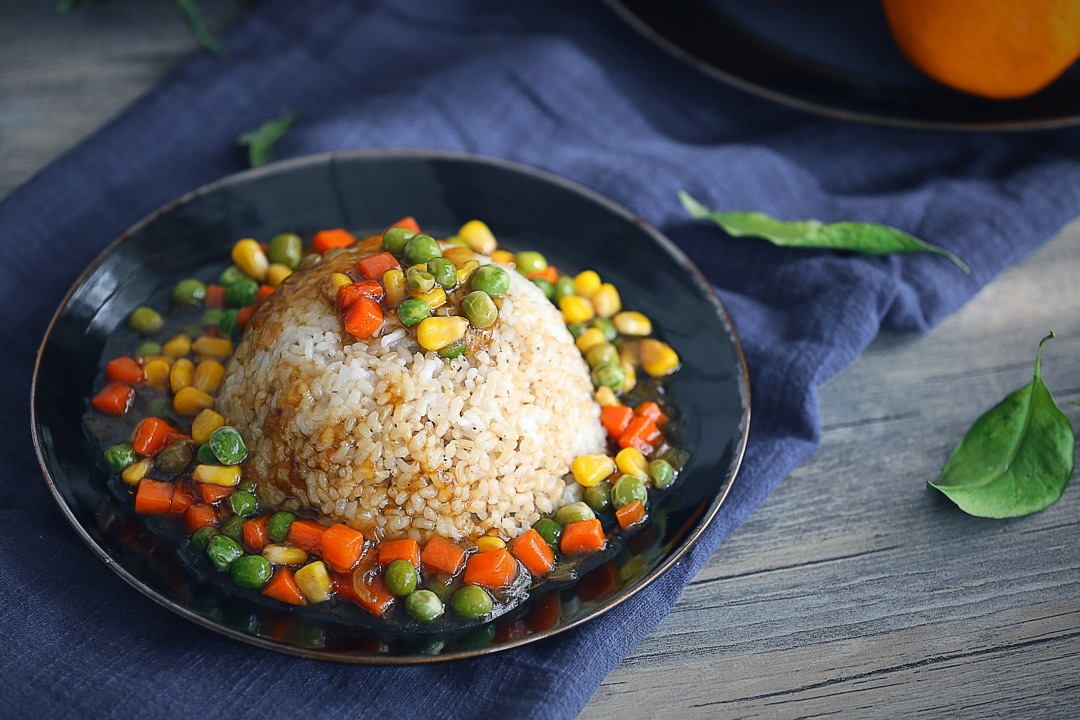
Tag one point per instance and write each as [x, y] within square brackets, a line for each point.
[365, 191]
[833, 57]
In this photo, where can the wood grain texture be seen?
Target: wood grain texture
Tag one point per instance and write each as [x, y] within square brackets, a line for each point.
[854, 591]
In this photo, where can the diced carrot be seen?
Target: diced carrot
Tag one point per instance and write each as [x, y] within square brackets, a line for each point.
[642, 434]
[363, 317]
[582, 536]
[493, 569]
[533, 552]
[175, 435]
[246, 313]
[409, 223]
[342, 547]
[443, 556]
[369, 590]
[404, 549]
[598, 583]
[651, 410]
[215, 297]
[265, 291]
[373, 266]
[333, 238]
[153, 496]
[615, 418]
[114, 399]
[213, 493]
[182, 499]
[125, 370]
[507, 629]
[256, 533]
[200, 516]
[277, 624]
[151, 435]
[307, 534]
[549, 273]
[282, 586]
[545, 612]
[630, 514]
[348, 294]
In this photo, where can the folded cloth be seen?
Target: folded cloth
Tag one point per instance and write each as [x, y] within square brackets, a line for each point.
[562, 86]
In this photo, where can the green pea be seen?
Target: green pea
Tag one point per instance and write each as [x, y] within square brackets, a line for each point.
[228, 446]
[602, 354]
[286, 249]
[423, 605]
[211, 318]
[550, 530]
[223, 551]
[201, 538]
[547, 288]
[244, 504]
[395, 238]
[598, 496]
[662, 473]
[627, 489]
[607, 326]
[480, 309]
[230, 275]
[481, 637]
[471, 601]
[145, 321]
[563, 286]
[148, 348]
[251, 571]
[277, 526]
[120, 456]
[420, 281]
[454, 349]
[576, 329]
[160, 406]
[574, 512]
[247, 486]
[241, 293]
[206, 455]
[491, 279]
[420, 249]
[233, 528]
[610, 375]
[530, 261]
[174, 458]
[401, 577]
[444, 272]
[189, 293]
[410, 312]
[226, 323]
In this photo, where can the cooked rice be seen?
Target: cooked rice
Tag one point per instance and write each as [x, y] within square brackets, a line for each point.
[395, 441]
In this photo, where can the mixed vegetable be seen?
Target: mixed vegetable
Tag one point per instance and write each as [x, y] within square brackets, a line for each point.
[182, 459]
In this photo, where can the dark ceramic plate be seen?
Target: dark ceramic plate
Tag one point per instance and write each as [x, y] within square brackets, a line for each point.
[365, 191]
[834, 57]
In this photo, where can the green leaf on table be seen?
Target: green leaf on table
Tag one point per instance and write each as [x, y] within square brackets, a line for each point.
[189, 11]
[1016, 459]
[260, 141]
[860, 237]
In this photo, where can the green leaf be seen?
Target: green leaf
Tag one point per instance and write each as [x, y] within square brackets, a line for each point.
[190, 12]
[260, 141]
[1016, 459]
[860, 237]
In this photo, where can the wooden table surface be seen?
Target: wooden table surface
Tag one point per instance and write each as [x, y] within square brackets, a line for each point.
[853, 590]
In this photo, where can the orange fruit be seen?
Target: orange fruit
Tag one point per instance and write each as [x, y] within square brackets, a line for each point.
[998, 49]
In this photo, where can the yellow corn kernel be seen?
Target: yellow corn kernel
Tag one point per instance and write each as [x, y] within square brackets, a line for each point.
[248, 255]
[631, 375]
[157, 372]
[434, 297]
[212, 347]
[606, 300]
[586, 283]
[177, 347]
[204, 425]
[465, 271]
[605, 397]
[489, 542]
[337, 280]
[590, 338]
[181, 374]
[435, 333]
[630, 461]
[190, 401]
[503, 257]
[314, 581]
[589, 470]
[284, 554]
[276, 274]
[658, 358]
[208, 376]
[393, 281]
[459, 255]
[478, 237]
[576, 309]
[629, 322]
[221, 475]
[136, 471]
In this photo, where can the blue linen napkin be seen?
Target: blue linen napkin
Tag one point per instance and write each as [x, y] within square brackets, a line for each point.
[562, 86]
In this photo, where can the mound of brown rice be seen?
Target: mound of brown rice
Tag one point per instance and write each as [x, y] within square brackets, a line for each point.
[395, 441]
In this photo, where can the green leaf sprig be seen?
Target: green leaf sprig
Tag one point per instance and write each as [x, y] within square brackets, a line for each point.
[1017, 458]
[860, 237]
[187, 9]
[260, 141]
